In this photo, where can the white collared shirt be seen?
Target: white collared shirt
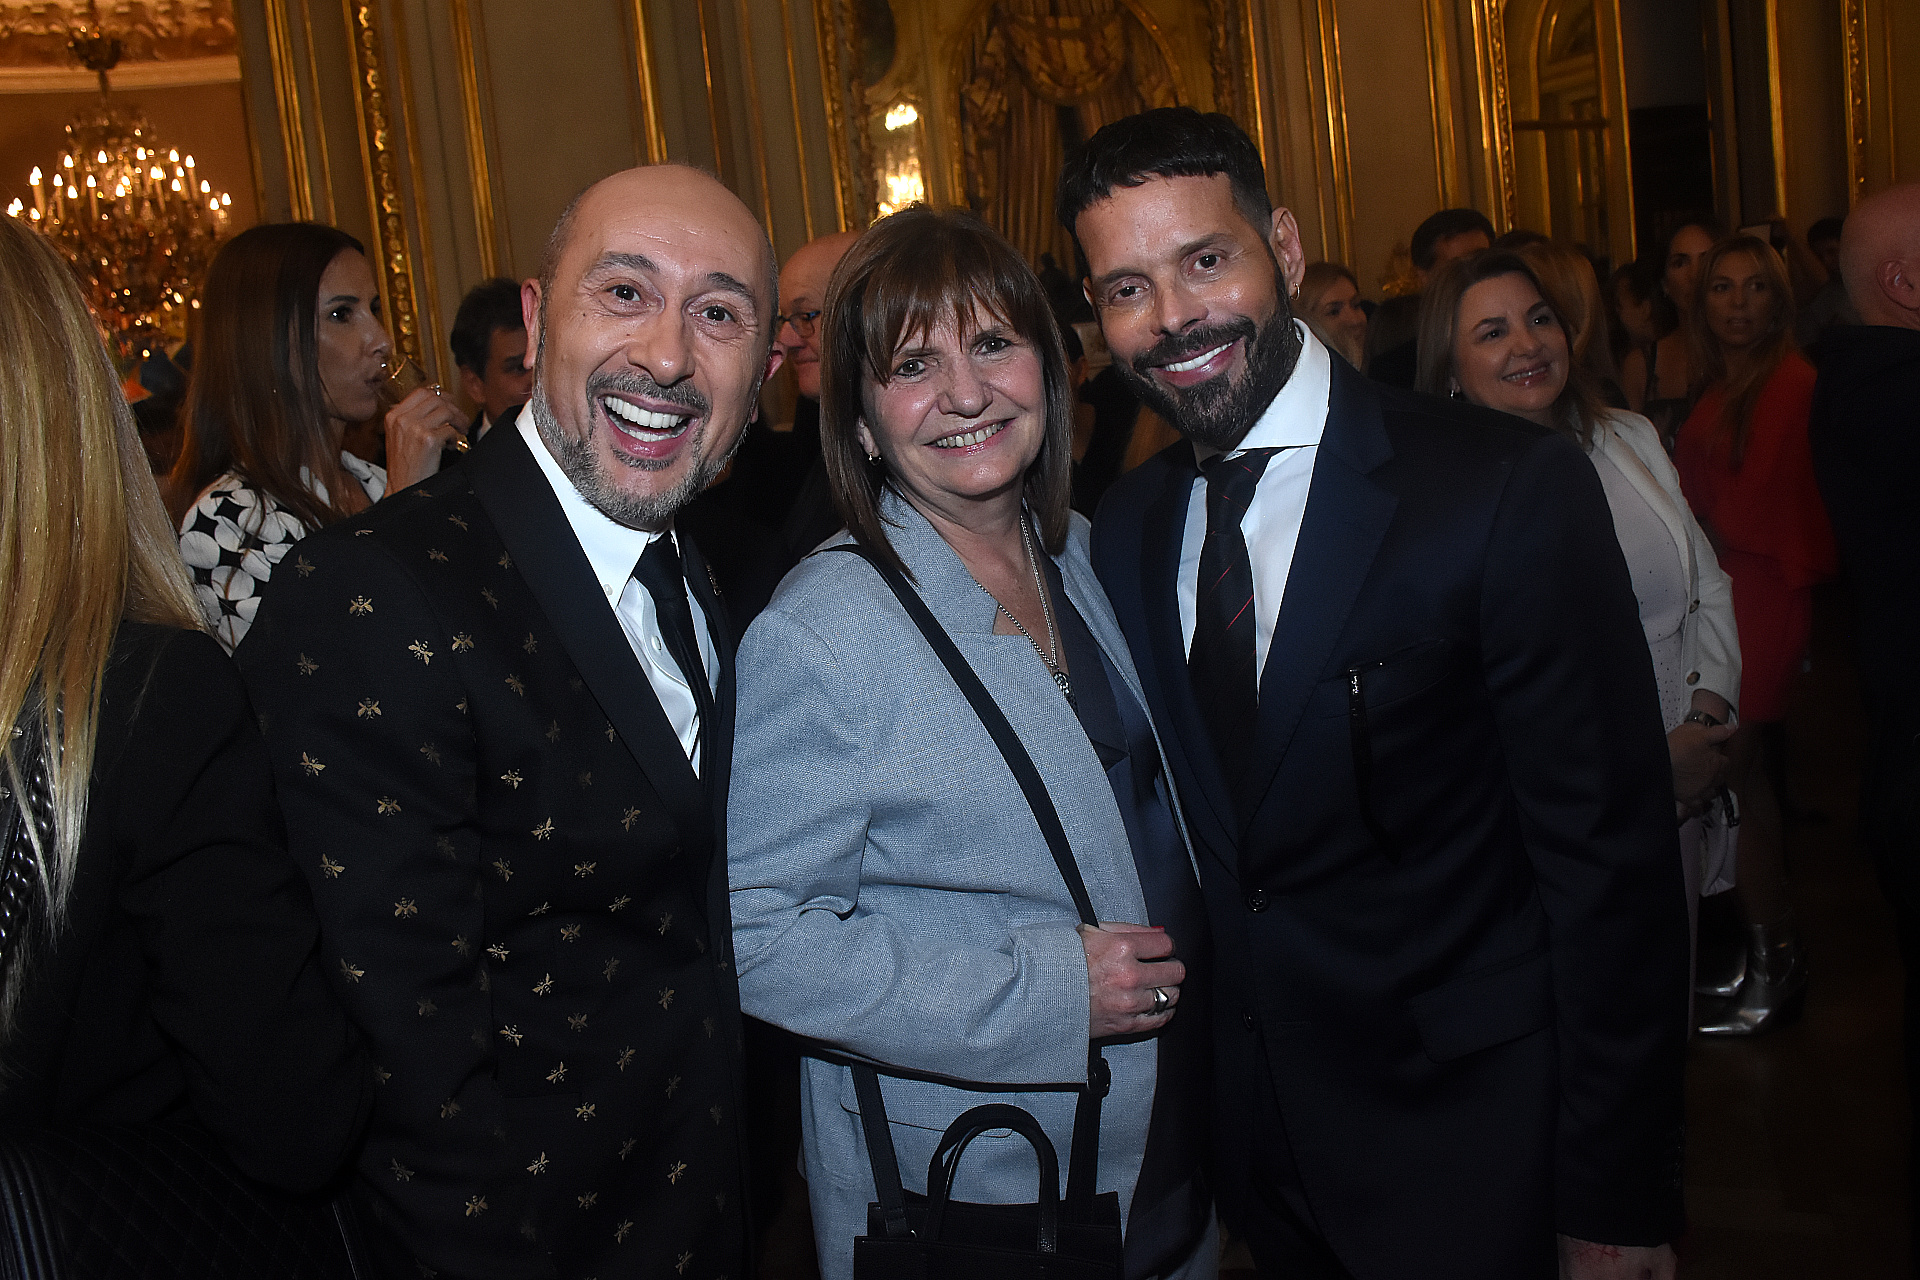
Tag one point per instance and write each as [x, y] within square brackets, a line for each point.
[1292, 422]
[613, 550]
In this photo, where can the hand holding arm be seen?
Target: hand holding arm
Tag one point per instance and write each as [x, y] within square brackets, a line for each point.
[1126, 963]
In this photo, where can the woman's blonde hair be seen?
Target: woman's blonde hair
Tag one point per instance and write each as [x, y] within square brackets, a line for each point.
[1744, 373]
[84, 542]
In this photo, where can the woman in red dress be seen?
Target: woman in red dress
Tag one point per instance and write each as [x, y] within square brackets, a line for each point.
[1746, 470]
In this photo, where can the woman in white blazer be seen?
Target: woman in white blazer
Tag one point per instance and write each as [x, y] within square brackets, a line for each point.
[893, 896]
[1490, 332]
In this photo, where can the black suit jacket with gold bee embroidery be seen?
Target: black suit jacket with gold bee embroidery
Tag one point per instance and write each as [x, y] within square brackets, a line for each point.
[521, 883]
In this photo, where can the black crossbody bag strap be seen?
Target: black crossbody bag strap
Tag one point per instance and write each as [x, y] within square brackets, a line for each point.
[1084, 1159]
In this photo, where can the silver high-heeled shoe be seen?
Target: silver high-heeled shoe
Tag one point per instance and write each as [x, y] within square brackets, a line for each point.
[1722, 980]
[1773, 991]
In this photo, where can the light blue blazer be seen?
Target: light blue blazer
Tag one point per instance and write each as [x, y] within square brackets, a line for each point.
[892, 893]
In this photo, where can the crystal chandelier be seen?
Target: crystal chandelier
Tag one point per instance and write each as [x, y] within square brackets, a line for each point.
[129, 212]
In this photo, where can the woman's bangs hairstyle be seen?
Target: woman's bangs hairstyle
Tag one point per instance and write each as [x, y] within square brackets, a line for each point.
[906, 275]
[255, 403]
[1746, 374]
[1578, 407]
[84, 543]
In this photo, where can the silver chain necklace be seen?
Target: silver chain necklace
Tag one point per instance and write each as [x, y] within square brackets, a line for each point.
[1046, 611]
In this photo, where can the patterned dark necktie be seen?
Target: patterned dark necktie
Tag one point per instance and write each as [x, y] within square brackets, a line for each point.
[660, 573]
[1221, 663]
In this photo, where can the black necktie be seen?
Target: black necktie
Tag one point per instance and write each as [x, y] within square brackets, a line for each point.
[1221, 663]
[660, 573]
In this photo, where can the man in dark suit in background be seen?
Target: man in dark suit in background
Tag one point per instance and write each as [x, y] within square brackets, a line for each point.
[1442, 237]
[500, 713]
[489, 341]
[1396, 655]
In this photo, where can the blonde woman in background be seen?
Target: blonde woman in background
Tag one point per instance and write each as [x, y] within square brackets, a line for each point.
[1329, 301]
[157, 956]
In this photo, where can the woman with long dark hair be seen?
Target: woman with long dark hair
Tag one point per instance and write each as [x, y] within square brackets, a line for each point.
[157, 946]
[1747, 470]
[1659, 380]
[289, 352]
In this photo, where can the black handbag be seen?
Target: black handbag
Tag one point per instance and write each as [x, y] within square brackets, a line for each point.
[935, 1237]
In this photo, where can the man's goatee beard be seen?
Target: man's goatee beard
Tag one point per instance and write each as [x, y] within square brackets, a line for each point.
[1220, 412]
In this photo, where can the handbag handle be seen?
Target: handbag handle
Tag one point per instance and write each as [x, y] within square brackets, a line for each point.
[1083, 1159]
[970, 1124]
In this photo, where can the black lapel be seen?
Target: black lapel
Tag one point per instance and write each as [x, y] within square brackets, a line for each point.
[1162, 529]
[1346, 519]
[530, 521]
[717, 757]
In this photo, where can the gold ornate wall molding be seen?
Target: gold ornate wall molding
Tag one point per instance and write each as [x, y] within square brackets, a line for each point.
[474, 110]
[652, 131]
[381, 166]
[35, 34]
[1495, 109]
[836, 33]
[1332, 158]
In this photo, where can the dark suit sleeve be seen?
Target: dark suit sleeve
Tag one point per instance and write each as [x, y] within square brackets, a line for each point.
[1573, 689]
[273, 1068]
[367, 729]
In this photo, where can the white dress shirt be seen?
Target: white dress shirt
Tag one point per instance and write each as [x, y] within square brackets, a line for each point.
[1292, 422]
[613, 550]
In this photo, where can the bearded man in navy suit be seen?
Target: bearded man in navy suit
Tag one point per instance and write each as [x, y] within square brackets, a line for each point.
[1396, 659]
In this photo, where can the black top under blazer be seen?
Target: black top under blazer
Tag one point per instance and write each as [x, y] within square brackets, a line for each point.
[521, 883]
[1473, 1031]
[186, 982]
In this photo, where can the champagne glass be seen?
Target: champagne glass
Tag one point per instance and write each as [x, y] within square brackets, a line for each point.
[404, 377]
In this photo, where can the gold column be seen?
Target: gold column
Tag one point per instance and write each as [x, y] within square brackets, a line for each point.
[655, 134]
[479, 172]
[793, 107]
[382, 169]
[286, 87]
[1332, 163]
[1496, 114]
[1446, 153]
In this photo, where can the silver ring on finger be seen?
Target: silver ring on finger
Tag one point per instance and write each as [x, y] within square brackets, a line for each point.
[1161, 1002]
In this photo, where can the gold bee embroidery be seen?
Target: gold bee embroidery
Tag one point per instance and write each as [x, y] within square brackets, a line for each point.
[476, 1205]
[676, 1171]
[666, 923]
[626, 1056]
[541, 910]
[612, 967]
[444, 845]
[512, 778]
[628, 817]
[558, 1074]
[539, 1166]
[626, 1148]
[583, 869]
[436, 554]
[431, 752]
[419, 650]
[461, 706]
[307, 665]
[499, 952]
[530, 644]
[575, 683]
[330, 868]
[512, 1034]
[620, 1232]
[458, 522]
[585, 780]
[449, 1109]
[666, 997]
[609, 733]
[588, 1200]
[382, 1075]
[673, 1086]
[569, 933]
[544, 986]
[386, 805]
[514, 683]
[577, 1022]
[462, 642]
[585, 1112]
[619, 903]
[686, 1256]
[504, 867]
[400, 1172]
[706, 1024]
[715, 1112]
[506, 561]
[553, 732]
[359, 607]
[363, 533]
[302, 567]
[405, 909]
[352, 973]
[544, 830]
[427, 1008]
[368, 709]
[486, 593]
[526, 1229]
[312, 766]
[461, 945]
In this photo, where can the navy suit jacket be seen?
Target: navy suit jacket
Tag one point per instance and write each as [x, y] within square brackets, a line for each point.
[1469, 1002]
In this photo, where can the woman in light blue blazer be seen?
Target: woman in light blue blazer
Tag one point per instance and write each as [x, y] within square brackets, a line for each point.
[892, 894]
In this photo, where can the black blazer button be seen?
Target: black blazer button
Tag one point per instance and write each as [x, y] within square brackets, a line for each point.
[1246, 1020]
[1257, 900]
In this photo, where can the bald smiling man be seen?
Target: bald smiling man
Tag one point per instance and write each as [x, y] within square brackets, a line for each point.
[500, 712]
[1865, 432]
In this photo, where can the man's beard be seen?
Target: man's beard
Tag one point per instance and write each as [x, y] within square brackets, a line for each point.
[580, 464]
[1220, 412]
